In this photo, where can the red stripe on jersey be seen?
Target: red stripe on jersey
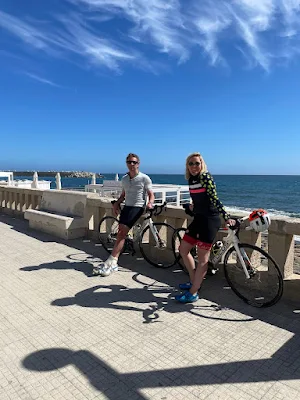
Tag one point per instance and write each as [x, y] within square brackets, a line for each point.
[198, 190]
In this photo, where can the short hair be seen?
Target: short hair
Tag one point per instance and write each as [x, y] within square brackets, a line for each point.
[203, 164]
[130, 155]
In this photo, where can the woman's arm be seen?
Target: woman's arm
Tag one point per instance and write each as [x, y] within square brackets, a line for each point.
[211, 189]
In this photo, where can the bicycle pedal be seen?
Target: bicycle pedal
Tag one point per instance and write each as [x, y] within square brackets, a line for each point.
[212, 271]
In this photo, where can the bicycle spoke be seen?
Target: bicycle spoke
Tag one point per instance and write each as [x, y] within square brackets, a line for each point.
[158, 253]
[108, 230]
[264, 288]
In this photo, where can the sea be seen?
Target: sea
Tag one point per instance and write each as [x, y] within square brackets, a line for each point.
[278, 194]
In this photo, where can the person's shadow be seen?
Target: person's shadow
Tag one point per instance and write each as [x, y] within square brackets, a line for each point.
[100, 375]
[109, 381]
[83, 267]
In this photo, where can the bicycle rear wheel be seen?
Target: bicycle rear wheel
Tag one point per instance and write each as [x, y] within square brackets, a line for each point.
[160, 256]
[265, 286]
[176, 240]
[108, 230]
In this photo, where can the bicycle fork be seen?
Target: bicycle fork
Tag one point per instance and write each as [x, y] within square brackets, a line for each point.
[241, 257]
[158, 241]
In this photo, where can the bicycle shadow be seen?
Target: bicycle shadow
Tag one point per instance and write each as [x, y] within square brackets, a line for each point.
[156, 300]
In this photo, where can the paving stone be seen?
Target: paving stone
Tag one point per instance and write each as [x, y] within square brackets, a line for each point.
[65, 334]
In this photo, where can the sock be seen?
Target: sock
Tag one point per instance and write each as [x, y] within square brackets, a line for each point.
[112, 259]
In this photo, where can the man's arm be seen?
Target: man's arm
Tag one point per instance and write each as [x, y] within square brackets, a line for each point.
[121, 198]
[116, 205]
[151, 198]
[148, 187]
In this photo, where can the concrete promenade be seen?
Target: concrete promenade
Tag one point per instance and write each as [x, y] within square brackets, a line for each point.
[65, 334]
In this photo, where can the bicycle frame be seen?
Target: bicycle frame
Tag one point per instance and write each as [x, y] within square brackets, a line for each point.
[232, 240]
[137, 233]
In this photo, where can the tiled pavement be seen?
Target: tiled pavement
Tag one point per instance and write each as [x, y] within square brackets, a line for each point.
[65, 334]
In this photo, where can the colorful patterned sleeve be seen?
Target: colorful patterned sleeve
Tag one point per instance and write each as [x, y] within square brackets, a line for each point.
[211, 190]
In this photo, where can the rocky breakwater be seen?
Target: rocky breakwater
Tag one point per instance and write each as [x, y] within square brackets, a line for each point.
[63, 174]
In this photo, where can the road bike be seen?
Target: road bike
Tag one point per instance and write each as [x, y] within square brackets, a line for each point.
[250, 271]
[150, 237]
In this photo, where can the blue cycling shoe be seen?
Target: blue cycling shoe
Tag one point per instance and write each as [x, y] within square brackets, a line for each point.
[187, 297]
[185, 286]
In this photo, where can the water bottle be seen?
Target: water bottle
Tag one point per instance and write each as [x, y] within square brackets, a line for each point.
[217, 247]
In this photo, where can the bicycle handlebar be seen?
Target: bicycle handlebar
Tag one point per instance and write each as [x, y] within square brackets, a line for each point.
[156, 210]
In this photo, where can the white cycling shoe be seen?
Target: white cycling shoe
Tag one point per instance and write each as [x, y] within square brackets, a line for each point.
[105, 268]
[108, 269]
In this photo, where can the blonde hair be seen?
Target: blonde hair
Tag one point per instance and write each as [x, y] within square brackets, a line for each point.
[203, 165]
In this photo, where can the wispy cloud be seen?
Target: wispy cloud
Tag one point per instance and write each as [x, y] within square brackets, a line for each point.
[42, 80]
[176, 28]
[157, 22]
[71, 37]
[24, 31]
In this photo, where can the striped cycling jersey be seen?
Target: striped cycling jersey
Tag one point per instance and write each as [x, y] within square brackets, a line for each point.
[204, 196]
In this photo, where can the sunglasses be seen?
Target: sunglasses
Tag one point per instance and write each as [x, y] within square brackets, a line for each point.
[132, 162]
[197, 163]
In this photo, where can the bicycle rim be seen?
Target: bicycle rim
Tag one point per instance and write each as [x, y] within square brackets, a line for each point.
[265, 286]
[160, 256]
[176, 240]
[108, 230]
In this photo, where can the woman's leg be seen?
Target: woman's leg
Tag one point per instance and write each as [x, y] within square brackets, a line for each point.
[200, 272]
[189, 262]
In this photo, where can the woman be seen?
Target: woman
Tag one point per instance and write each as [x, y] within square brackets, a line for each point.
[206, 208]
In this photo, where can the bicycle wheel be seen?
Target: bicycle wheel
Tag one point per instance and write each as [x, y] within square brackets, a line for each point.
[265, 286]
[176, 240]
[108, 230]
[160, 256]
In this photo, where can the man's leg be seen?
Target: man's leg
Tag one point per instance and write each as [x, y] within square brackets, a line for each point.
[123, 230]
[111, 264]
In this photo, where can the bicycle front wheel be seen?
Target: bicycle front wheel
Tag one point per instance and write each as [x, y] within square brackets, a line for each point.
[159, 255]
[265, 286]
[108, 230]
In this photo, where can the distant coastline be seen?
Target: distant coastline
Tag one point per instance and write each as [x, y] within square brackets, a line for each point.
[63, 174]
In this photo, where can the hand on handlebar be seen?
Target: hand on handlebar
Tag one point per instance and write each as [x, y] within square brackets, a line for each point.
[189, 209]
[149, 206]
[230, 222]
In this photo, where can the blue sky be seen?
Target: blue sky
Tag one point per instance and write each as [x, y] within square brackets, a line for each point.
[84, 82]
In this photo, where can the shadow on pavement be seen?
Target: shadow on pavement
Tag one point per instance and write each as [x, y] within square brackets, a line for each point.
[155, 292]
[110, 382]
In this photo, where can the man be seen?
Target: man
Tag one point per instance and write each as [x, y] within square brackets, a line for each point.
[136, 186]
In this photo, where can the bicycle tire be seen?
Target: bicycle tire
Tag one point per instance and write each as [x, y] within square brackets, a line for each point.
[176, 239]
[153, 254]
[265, 286]
[107, 231]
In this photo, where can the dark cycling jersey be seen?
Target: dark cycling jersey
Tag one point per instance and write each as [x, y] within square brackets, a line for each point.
[204, 195]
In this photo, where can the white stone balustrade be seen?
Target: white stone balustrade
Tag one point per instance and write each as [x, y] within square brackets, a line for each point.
[280, 237]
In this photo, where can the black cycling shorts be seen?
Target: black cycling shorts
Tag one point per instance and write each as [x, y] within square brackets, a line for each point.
[129, 215]
[202, 231]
